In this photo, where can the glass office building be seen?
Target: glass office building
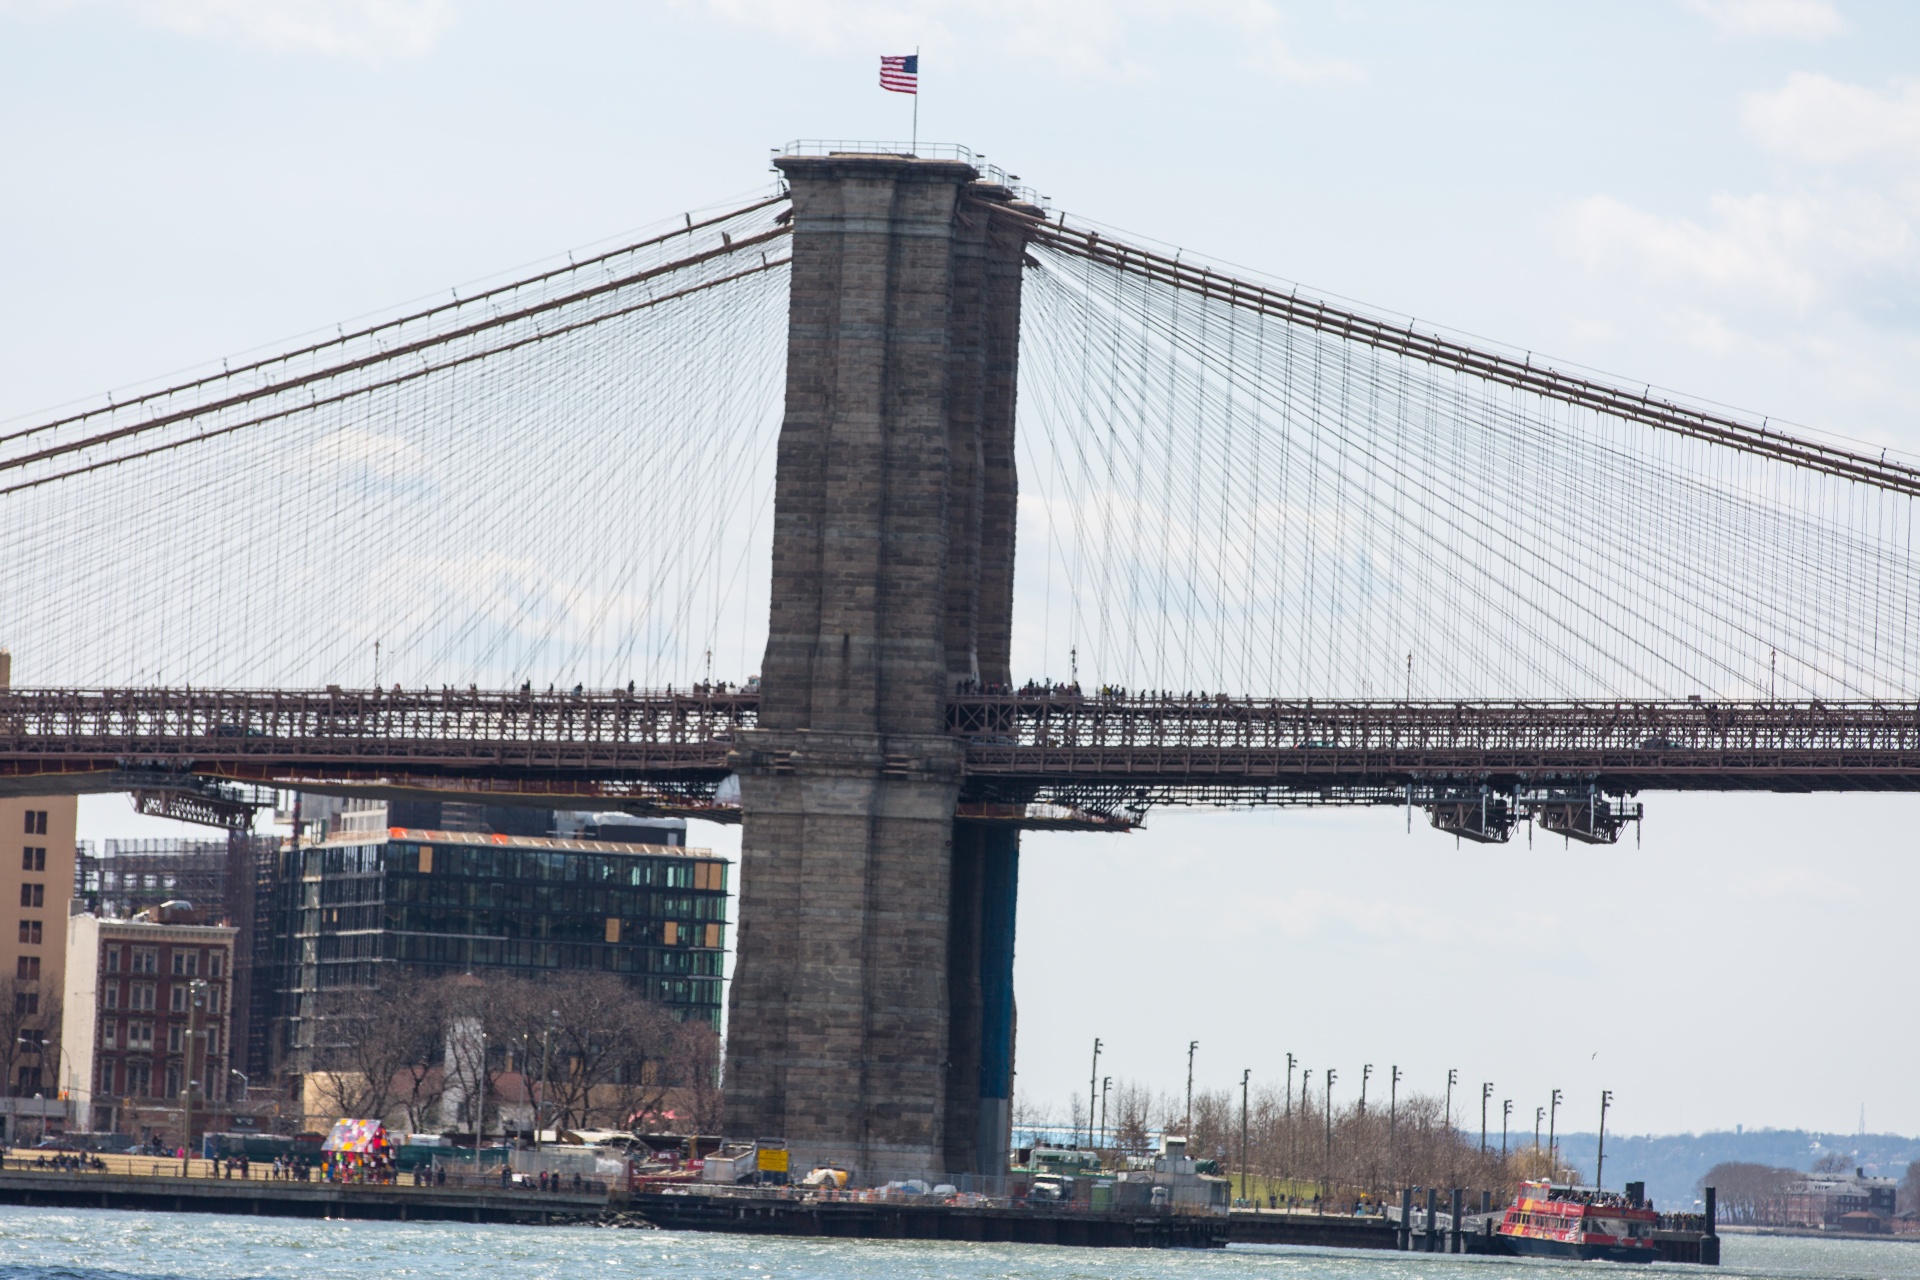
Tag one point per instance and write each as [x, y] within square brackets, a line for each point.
[450, 902]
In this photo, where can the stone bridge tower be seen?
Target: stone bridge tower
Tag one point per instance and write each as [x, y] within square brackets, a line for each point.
[872, 1003]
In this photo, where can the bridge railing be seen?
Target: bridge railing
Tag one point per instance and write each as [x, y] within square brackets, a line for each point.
[1022, 749]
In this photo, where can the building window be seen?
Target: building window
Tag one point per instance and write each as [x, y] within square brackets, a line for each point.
[146, 960]
[173, 1078]
[113, 959]
[27, 969]
[140, 1036]
[175, 1034]
[33, 895]
[33, 859]
[139, 1078]
[109, 1033]
[214, 965]
[213, 1000]
[36, 822]
[143, 995]
[26, 1002]
[30, 932]
[186, 964]
[177, 997]
[107, 1074]
[110, 996]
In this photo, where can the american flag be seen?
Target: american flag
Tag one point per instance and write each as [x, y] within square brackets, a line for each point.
[901, 74]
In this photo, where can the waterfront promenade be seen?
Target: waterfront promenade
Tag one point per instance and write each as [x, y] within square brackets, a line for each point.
[158, 1183]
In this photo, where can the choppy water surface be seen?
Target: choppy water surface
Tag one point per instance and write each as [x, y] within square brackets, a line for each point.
[57, 1244]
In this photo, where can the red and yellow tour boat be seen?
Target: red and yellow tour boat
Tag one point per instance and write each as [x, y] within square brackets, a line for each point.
[1555, 1221]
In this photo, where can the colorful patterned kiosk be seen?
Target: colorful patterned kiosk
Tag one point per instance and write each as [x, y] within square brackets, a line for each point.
[358, 1151]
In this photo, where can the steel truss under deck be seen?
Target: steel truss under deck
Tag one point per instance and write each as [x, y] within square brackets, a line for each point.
[1036, 759]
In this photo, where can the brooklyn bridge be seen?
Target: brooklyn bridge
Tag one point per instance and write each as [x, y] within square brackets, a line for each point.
[722, 523]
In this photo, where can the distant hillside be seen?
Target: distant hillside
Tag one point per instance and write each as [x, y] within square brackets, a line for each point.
[1671, 1165]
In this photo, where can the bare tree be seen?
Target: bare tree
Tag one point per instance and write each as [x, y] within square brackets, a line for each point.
[611, 1051]
[375, 1047]
[696, 1074]
[49, 1031]
[1750, 1193]
[29, 1018]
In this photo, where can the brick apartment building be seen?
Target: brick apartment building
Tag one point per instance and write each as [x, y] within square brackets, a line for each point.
[148, 1012]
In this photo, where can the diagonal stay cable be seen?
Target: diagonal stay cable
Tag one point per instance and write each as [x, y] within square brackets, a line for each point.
[412, 348]
[1489, 366]
[399, 323]
[409, 376]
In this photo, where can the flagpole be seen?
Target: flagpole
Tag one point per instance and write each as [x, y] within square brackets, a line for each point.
[914, 146]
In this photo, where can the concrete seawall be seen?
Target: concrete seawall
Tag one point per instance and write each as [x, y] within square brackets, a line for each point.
[290, 1199]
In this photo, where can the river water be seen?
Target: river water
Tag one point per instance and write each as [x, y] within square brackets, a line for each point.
[93, 1244]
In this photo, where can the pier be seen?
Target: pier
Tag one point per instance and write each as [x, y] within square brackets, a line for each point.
[400, 1203]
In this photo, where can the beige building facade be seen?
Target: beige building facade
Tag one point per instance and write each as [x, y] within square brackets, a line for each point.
[37, 841]
[36, 888]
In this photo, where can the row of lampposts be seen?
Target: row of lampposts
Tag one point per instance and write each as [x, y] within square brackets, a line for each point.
[1098, 1089]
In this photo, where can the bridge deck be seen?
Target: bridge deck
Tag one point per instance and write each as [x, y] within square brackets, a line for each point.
[672, 749]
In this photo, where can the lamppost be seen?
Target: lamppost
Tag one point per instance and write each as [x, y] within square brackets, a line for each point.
[1506, 1113]
[1539, 1114]
[1293, 1138]
[1093, 1089]
[1553, 1116]
[1486, 1092]
[1106, 1082]
[1245, 1076]
[1453, 1076]
[1366, 1074]
[189, 1077]
[1327, 1193]
[1192, 1046]
[546, 1060]
[1393, 1107]
[1600, 1161]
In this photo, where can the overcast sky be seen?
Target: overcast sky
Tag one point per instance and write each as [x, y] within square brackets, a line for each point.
[1717, 196]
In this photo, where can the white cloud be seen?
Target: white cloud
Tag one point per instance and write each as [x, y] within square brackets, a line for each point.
[1819, 242]
[1792, 19]
[1798, 248]
[366, 29]
[1824, 121]
[354, 450]
[1080, 37]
